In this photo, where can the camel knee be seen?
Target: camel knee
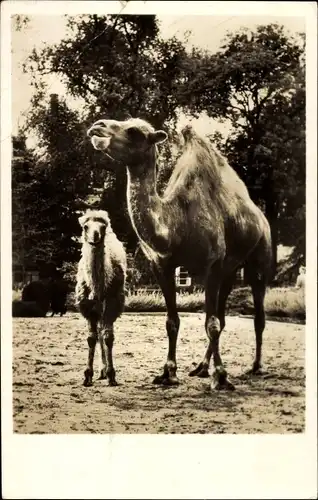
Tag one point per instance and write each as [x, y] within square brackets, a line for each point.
[91, 341]
[213, 328]
[109, 338]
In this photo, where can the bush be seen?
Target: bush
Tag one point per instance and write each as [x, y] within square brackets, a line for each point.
[69, 270]
[285, 302]
[279, 302]
[240, 301]
[16, 295]
[144, 301]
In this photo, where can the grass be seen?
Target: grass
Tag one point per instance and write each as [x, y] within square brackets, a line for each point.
[154, 302]
[279, 302]
[287, 302]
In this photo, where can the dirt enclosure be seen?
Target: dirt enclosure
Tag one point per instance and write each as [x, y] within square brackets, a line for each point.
[49, 356]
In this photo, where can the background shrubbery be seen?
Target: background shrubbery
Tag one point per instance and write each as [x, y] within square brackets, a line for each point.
[286, 302]
[279, 302]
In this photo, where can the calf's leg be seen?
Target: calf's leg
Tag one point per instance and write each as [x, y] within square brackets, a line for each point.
[91, 341]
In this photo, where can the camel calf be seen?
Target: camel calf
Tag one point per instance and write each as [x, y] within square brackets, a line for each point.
[100, 288]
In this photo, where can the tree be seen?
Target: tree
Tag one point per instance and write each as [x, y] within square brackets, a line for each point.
[256, 81]
[66, 166]
[115, 66]
[118, 65]
[30, 244]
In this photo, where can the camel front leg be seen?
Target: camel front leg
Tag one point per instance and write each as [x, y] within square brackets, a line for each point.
[91, 341]
[106, 340]
[166, 280]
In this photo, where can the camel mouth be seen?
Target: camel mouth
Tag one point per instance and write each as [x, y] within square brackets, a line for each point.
[100, 142]
[95, 243]
[98, 130]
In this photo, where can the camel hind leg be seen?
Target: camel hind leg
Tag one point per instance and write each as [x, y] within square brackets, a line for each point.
[106, 338]
[219, 379]
[113, 306]
[258, 269]
[91, 341]
[258, 284]
[202, 370]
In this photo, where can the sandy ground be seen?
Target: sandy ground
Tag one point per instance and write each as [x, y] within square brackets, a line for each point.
[50, 356]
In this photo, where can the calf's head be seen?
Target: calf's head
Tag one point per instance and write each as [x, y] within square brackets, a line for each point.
[94, 225]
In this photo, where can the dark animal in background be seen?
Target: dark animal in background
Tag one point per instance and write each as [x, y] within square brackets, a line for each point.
[38, 292]
[26, 309]
[46, 294]
[58, 296]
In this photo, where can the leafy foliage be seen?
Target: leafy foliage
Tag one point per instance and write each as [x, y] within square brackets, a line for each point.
[118, 66]
[257, 81]
[115, 66]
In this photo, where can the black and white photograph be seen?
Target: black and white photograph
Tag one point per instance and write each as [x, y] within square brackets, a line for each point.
[157, 203]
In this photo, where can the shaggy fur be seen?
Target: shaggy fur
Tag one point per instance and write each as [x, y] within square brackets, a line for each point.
[100, 288]
[205, 221]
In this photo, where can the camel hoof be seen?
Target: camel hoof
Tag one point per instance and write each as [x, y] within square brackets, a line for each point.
[103, 375]
[255, 370]
[224, 386]
[220, 382]
[112, 383]
[200, 371]
[166, 380]
[88, 382]
[88, 378]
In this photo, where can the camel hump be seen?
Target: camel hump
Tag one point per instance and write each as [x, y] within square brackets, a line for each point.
[188, 132]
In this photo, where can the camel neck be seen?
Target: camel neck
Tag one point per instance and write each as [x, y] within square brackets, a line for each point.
[94, 259]
[146, 209]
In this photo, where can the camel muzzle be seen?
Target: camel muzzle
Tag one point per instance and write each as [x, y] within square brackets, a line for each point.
[95, 243]
[95, 239]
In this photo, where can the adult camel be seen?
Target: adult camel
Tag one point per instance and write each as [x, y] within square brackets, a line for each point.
[205, 221]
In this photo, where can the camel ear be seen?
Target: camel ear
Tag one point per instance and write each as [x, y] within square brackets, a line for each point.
[158, 136]
[82, 220]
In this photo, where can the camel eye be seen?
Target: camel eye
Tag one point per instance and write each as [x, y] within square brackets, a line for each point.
[135, 134]
[85, 227]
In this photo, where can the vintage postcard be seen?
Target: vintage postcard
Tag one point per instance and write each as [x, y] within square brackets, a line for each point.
[158, 249]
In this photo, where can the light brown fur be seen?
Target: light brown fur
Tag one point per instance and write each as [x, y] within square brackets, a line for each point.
[205, 221]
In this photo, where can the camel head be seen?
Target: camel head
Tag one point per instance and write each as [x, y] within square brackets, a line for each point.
[94, 224]
[127, 142]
